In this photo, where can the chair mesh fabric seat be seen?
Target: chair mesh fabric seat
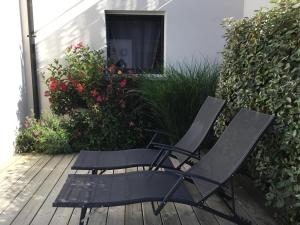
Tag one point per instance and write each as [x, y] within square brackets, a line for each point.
[231, 149]
[88, 160]
[206, 176]
[195, 135]
[119, 189]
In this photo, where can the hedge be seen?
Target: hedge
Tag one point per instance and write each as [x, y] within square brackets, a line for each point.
[261, 71]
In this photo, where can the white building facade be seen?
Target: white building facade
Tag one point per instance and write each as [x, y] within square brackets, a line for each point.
[191, 31]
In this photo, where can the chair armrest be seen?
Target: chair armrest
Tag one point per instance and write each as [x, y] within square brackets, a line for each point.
[173, 148]
[155, 134]
[158, 132]
[187, 175]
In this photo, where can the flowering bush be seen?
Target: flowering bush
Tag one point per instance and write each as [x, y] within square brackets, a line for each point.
[84, 82]
[101, 102]
[46, 135]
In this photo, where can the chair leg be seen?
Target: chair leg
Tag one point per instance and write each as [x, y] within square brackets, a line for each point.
[82, 216]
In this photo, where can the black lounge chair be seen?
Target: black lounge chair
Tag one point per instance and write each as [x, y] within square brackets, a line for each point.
[154, 153]
[206, 177]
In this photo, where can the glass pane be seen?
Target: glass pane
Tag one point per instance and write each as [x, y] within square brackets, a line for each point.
[135, 42]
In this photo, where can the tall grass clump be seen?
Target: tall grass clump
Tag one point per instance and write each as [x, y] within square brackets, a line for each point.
[176, 96]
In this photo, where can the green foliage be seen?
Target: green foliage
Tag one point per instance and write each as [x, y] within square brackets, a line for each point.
[46, 135]
[104, 128]
[261, 71]
[101, 103]
[176, 96]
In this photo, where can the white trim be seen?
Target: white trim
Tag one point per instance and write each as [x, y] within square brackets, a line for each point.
[134, 12]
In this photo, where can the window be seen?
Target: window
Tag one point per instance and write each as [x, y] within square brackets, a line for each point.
[135, 42]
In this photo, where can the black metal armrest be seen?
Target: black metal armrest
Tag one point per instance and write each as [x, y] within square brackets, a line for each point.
[154, 136]
[187, 175]
[191, 175]
[173, 148]
[167, 196]
[158, 132]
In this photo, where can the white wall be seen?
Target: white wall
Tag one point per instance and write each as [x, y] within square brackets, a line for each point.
[251, 5]
[192, 26]
[12, 93]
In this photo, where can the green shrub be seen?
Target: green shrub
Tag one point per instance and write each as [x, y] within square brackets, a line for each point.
[46, 135]
[261, 71]
[104, 128]
[176, 96]
[103, 108]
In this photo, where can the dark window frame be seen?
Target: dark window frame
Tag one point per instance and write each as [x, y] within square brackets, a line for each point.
[161, 59]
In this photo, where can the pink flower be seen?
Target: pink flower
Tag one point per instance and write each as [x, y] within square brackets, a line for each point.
[94, 93]
[79, 45]
[112, 68]
[122, 104]
[131, 124]
[47, 94]
[99, 99]
[123, 83]
[36, 133]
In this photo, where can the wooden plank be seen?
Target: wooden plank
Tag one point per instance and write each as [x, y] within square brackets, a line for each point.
[169, 215]
[148, 216]
[33, 205]
[116, 214]
[9, 214]
[74, 219]
[63, 215]
[6, 164]
[16, 161]
[15, 171]
[204, 217]
[252, 201]
[133, 212]
[10, 194]
[41, 198]
[186, 214]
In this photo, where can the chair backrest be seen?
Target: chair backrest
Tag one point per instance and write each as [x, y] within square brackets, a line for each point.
[231, 149]
[202, 123]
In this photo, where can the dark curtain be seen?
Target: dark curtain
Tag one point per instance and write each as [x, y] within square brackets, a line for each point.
[135, 42]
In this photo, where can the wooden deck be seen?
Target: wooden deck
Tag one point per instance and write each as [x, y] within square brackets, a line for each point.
[30, 183]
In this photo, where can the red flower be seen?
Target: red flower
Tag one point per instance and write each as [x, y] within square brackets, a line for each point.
[47, 94]
[75, 83]
[112, 68]
[53, 84]
[99, 99]
[80, 88]
[123, 83]
[94, 93]
[63, 86]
